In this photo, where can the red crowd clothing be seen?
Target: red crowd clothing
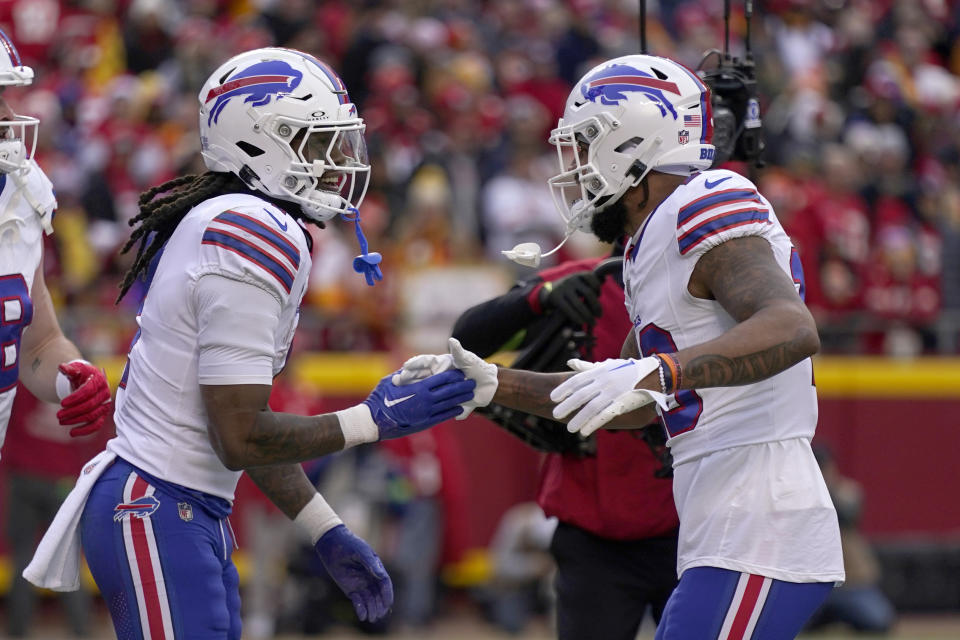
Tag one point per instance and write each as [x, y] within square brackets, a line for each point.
[615, 493]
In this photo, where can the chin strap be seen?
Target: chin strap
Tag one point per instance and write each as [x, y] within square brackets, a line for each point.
[646, 193]
[45, 220]
[366, 263]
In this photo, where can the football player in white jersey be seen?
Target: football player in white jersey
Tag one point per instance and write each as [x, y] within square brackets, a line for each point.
[720, 349]
[222, 261]
[33, 349]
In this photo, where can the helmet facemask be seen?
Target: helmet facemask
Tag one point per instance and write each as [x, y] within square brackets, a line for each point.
[330, 170]
[18, 142]
[581, 189]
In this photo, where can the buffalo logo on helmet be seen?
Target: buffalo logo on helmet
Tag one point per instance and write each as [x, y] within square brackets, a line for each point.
[611, 85]
[139, 508]
[260, 83]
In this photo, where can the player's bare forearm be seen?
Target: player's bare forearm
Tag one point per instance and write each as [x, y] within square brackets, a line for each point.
[774, 332]
[246, 434]
[286, 485]
[529, 391]
[285, 437]
[44, 345]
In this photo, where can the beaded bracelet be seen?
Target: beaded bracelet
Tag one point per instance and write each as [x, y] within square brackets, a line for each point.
[670, 373]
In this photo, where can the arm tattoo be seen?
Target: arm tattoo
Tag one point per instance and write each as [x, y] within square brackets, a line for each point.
[286, 485]
[742, 275]
[277, 437]
[35, 365]
[774, 330]
[714, 370]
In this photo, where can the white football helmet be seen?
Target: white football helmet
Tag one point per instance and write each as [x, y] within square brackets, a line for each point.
[18, 134]
[624, 118]
[281, 120]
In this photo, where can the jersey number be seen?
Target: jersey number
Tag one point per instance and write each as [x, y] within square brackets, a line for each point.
[685, 415]
[16, 312]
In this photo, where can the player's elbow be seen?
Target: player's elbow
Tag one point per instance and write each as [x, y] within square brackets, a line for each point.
[233, 463]
[229, 452]
[806, 339]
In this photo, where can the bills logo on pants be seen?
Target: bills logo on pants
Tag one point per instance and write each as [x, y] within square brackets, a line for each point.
[162, 564]
[139, 508]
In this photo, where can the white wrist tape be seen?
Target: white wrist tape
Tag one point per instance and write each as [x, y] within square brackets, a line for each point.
[357, 425]
[316, 518]
[62, 382]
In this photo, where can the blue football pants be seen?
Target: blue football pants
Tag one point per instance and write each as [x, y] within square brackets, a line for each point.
[719, 604]
[163, 565]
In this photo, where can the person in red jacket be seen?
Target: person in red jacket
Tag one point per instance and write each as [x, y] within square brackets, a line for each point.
[616, 542]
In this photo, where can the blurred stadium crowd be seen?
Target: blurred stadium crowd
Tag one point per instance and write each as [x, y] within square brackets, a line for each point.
[861, 104]
[861, 107]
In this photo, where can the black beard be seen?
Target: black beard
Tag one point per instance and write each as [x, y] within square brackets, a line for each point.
[610, 224]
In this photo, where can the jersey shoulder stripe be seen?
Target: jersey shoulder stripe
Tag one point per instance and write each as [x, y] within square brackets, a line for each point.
[247, 249]
[262, 231]
[719, 223]
[712, 200]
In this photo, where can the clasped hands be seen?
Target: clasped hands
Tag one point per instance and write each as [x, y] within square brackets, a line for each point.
[598, 392]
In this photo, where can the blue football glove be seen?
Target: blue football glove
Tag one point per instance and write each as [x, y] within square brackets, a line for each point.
[358, 572]
[400, 411]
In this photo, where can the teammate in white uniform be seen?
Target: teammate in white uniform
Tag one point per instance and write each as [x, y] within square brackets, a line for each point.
[33, 349]
[714, 288]
[224, 260]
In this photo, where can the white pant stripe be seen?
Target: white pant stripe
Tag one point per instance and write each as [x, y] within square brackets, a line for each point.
[741, 632]
[138, 578]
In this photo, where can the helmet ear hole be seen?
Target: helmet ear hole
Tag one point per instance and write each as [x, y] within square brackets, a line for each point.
[629, 145]
[251, 150]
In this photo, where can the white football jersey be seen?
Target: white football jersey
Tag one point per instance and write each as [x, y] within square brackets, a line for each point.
[27, 205]
[711, 208]
[746, 485]
[221, 308]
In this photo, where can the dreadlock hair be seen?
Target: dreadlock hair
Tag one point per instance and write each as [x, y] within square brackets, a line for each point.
[159, 216]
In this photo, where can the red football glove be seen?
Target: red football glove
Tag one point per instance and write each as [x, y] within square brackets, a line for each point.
[88, 402]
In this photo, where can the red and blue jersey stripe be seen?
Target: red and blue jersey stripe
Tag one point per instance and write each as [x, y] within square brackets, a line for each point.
[263, 231]
[257, 243]
[717, 212]
[714, 200]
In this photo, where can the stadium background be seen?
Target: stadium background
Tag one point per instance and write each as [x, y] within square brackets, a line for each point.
[861, 105]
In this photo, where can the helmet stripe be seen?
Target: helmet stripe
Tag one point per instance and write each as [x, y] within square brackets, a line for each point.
[11, 50]
[338, 86]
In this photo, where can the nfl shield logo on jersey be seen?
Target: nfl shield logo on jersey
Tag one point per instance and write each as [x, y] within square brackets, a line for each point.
[683, 136]
[185, 511]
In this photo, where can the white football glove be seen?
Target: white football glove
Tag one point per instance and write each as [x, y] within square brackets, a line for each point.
[473, 366]
[603, 391]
